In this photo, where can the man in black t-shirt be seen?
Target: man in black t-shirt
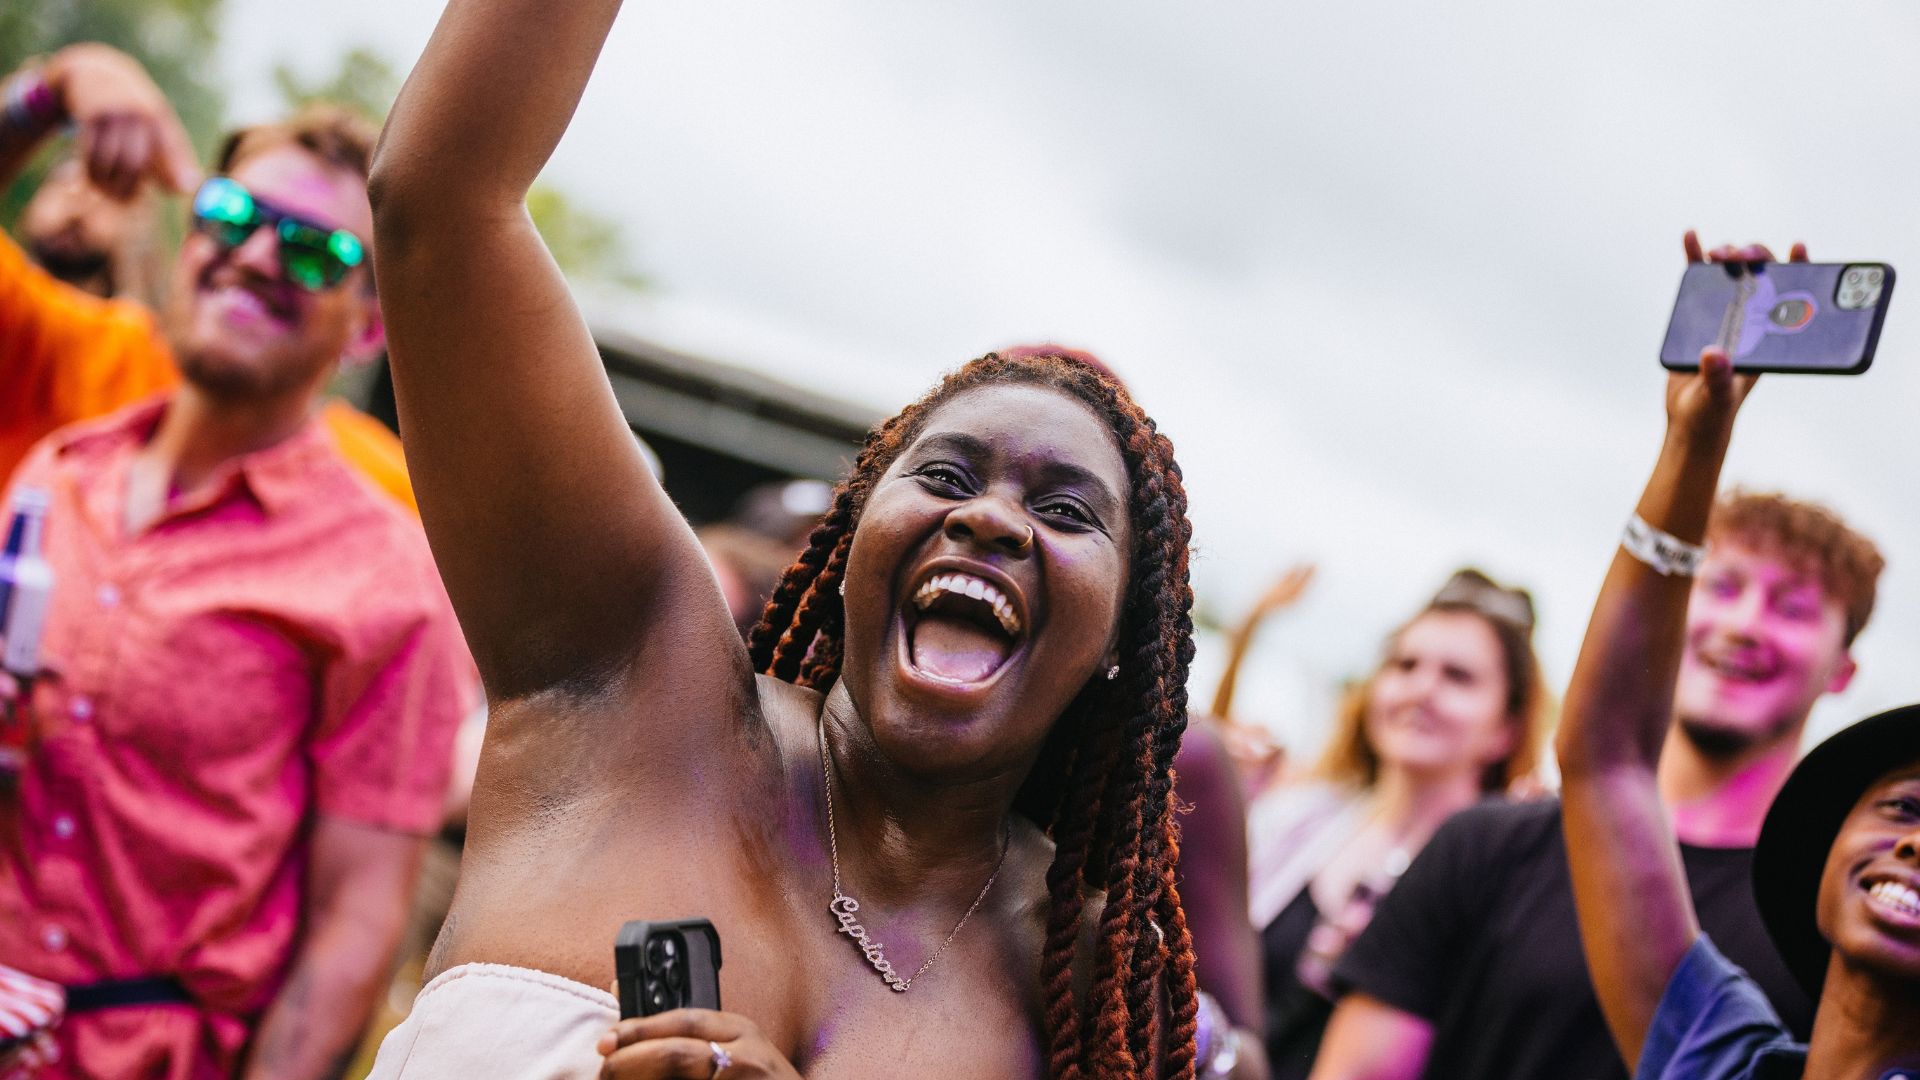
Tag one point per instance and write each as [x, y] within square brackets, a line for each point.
[1472, 965]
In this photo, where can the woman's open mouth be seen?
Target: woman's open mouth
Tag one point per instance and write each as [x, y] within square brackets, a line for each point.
[960, 629]
[1895, 900]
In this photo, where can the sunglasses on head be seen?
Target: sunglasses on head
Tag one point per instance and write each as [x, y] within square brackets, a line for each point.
[313, 257]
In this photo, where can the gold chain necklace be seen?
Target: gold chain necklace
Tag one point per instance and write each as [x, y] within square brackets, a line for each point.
[843, 906]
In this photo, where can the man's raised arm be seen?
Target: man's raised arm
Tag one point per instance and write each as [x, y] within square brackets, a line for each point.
[1636, 916]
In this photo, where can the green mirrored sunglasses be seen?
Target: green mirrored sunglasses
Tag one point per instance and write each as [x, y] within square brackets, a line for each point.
[313, 257]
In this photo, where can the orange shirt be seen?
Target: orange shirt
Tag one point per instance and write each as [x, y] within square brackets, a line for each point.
[67, 356]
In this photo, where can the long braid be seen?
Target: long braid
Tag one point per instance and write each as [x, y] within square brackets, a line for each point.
[1109, 1052]
[1167, 665]
[1073, 822]
[1182, 987]
[777, 617]
[779, 630]
[824, 666]
[821, 599]
[1105, 795]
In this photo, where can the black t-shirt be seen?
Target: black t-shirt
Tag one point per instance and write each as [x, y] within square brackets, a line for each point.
[1296, 1016]
[1479, 938]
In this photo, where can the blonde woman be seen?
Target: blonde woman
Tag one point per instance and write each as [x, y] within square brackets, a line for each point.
[1454, 713]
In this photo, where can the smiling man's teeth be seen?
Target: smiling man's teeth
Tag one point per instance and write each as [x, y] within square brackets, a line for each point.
[973, 587]
[1729, 668]
[1897, 896]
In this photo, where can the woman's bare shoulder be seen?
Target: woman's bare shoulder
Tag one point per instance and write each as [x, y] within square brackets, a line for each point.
[789, 717]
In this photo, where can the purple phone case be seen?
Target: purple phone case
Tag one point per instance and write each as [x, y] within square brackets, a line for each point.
[1789, 321]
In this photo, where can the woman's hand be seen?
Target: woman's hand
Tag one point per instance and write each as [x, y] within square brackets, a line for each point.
[1285, 591]
[691, 1044]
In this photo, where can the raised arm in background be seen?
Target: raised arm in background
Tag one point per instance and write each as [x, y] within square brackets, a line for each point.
[564, 558]
[1636, 916]
[125, 131]
[125, 135]
[1282, 594]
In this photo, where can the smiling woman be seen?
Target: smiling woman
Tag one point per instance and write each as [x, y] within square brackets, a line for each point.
[961, 706]
[1453, 714]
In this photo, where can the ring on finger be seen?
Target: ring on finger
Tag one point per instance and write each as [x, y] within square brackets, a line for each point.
[721, 1059]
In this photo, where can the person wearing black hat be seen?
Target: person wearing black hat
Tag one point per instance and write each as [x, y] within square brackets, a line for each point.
[1837, 866]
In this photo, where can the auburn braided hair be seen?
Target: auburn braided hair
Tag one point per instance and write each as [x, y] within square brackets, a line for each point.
[1102, 788]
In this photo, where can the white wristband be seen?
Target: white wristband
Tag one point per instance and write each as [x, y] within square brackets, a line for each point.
[1664, 552]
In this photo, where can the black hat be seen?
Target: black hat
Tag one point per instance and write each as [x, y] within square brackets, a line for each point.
[1804, 821]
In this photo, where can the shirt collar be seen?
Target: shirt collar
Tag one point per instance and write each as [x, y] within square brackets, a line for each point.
[275, 477]
[282, 474]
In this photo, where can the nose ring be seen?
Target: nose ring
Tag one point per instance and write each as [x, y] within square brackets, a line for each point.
[1028, 542]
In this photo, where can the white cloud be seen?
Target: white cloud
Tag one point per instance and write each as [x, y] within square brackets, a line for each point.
[1393, 276]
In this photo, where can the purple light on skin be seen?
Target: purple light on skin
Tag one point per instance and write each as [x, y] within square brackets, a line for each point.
[803, 821]
[823, 1036]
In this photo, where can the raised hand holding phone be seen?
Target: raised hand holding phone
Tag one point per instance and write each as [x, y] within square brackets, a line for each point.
[1797, 316]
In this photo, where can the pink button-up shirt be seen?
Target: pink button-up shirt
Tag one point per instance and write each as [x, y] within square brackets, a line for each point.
[276, 648]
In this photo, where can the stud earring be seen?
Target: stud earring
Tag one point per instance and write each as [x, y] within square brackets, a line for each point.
[1113, 672]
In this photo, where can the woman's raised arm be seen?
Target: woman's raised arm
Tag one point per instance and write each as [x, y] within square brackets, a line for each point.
[560, 551]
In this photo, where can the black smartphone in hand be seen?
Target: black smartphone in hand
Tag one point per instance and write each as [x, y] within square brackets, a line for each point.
[662, 966]
[1813, 318]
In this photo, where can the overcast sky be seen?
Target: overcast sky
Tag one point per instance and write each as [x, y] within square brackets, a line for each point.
[1393, 277]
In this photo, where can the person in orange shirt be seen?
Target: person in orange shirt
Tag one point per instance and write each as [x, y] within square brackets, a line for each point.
[90, 240]
[75, 340]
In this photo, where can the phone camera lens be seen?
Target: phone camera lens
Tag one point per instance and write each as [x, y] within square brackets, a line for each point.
[663, 953]
[1873, 277]
[1853, 277]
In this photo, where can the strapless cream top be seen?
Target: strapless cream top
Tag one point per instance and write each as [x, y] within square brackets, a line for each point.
[492, 1020]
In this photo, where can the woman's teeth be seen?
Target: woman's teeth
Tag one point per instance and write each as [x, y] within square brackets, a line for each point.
[973, 587]
[1896, 896]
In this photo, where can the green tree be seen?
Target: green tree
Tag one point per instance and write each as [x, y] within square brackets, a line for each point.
[364, 81]
[175, 39]
[583, 243]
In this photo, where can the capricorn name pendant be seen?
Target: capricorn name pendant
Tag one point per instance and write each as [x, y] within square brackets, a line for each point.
[843, 908]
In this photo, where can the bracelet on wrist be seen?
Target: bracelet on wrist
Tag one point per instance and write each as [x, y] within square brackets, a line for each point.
[1664, 552]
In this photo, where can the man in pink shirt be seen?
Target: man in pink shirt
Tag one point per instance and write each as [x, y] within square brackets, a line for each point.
[250, 676]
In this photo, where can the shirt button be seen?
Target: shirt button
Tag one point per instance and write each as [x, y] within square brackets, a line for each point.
[53, 938]
[63, 827]
[107, 594]
[81, 709]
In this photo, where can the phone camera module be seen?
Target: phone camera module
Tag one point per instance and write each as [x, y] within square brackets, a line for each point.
[1860, 288]
[659, 999]
[663, 954]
